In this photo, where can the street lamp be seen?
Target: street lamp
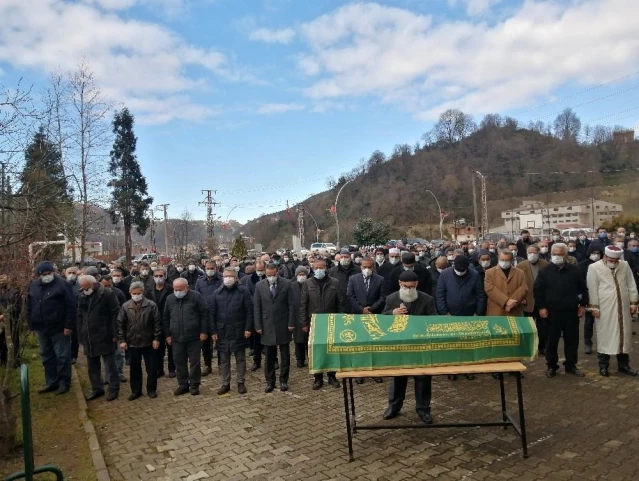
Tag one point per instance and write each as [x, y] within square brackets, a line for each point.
[336, 199]
[441, 219]
[316, 227]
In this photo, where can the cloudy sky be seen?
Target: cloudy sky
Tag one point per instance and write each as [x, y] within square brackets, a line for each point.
[262, 100]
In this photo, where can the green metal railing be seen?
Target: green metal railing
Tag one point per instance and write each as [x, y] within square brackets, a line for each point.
[27, 436]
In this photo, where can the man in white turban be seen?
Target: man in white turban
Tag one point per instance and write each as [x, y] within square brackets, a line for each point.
[613, 301]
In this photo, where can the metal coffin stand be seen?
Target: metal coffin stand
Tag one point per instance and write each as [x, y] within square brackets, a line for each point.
[500, 368]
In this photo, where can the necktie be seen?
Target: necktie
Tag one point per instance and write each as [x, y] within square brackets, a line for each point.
[367, 283]
[272, 291]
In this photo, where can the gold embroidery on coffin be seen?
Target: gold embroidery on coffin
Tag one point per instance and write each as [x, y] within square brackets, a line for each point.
[399, 324]
[470, 343]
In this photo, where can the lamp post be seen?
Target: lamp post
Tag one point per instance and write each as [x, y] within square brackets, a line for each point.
[316, 227]
[441, 220]
[336, 218]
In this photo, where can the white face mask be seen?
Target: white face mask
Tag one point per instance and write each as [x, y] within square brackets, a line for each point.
[72, 277]
[514, 253]
[557, 260]
[210, 272]
[191, 268]
[345, 262]
[595, 257]
[179, 269]
[504, 264]
[611, 265]
[144, 272]
[47, 279]
[87, 292]
[533, 258]
[117, 280]
[543, 250]
[301, 279]
[137, 297]
[285, 259]
[367, 272]
[619, 244]
[408, 294]
[460, 273]
[485, 264]
[450, 258]
[260, 273]
[492, 249]
[229, 281]
[159, 280]
[393, 260]
[555, 237]
[471, 251]
[571, 249]
[180, 294]
[379, 259]
[582, 237]
[272, 279]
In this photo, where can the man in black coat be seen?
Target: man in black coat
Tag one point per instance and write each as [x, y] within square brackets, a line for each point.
[589, 319]
[582, 243]
[632, 258]
[145, 275]
[186, 325]
[255, 343]
[300, 337]
[232, 325]
[192, 274]
[206, 285]
[343, 271]
[441, 264]
[161, 291]
[409, 301]
[385, 268]
[275, 318]
[523, 243]
[51, 315]
[601, 242]
[409, 264]
[98, 310]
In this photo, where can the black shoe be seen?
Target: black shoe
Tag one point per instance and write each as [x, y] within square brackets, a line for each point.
[334, 382]
[63, 390]
[181, 390]
[160, 374]
[551, 373]
[195, 390]
[425, 417]
[587, 349]
[152, 394]
[172, 374]
[106, 383]
[359, 380]
[541, 353]
[134, 396]
[318, 384]
[276, 366]
[627, 370]
[74, 360]
[378, 380]
[575, 372]
[390, 413]
[604, 371]
[470, 377]
[46, 389]
[269, 388]
[254, 367]
[223, 390]
[283, 386]
[112, 396]
[95, 395]
[122, 378]
[206, 371]
[452, 377]
[241, 388]
[300, 364]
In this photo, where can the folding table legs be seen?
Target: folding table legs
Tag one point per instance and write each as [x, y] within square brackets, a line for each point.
[349, 433]
[522, 420]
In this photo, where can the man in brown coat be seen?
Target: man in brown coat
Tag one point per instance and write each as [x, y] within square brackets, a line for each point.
[531, 267]
[505, 287]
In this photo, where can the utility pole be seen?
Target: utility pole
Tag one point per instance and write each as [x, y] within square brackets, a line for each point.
[484, 207]
[476, 212]
[166, 227]
[152, 230]
[300, 224]
[210, 203]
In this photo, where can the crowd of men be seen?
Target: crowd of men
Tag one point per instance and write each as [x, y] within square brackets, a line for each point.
[175, 317]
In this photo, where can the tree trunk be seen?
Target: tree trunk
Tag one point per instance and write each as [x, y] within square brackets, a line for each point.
[127, 242]
[7, 417]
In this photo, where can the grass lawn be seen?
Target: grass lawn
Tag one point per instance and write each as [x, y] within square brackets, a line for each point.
[58, 435]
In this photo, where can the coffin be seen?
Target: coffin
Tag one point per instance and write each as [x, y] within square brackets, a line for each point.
[348, 342]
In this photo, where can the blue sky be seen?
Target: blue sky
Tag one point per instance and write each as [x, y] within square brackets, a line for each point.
[262, 100]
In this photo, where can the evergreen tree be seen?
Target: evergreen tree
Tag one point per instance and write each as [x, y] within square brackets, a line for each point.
[369, 233]
[239, 249]
[129, 197]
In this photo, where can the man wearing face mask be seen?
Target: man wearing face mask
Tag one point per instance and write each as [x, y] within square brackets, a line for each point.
[505, 287]
[561, 296]
[232, 318]
[523, 243]
[512, 247]
[275, 316]
[572, 253]
[299, 336]
[484, 262]
[145, 276]
[601, 242]
[343, 272]
[409, 264]
[632, 257]
[254, 341]
[117, 276]
[159, 294]
[186, 323]
[589, 320]
[191, 274]
[287, 267]
[174, 272]
[98, 310]
[531, 268]
[384, 266]
[582, 243]
[410, 301]
[206, 286]
[544, 251]
[321, 294]
[72, 279]
[441, 263]
[620, 241]
[613, 302]
[555, 237]
[51, 315]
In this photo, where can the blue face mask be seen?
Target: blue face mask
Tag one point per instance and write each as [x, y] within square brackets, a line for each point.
[277, 263]
[180, 294]
[603, 235]
[634, 250]
[319, 273]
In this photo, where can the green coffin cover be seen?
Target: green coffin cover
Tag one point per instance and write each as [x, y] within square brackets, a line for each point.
[348, 342]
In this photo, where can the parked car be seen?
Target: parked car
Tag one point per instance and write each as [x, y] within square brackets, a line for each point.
[324, 248]
[148, 257]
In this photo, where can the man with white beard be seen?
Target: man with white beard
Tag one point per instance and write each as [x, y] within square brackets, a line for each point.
[409, 301]
[613, 301]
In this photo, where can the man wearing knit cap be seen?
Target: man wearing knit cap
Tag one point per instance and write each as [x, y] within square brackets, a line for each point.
[613, 301]
[343, 272]
[384, 266]
[51, 315]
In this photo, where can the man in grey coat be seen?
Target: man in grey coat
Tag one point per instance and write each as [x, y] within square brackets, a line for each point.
[186, 324]
[275, 319]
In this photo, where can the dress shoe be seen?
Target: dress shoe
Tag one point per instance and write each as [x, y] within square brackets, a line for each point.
[627, 370]
[470, 377]
[269, 388]
[223, 390]
[134, 396]
[604, 371]
[378, 380]
[172, 374]
[50, 388]
[541, 353]
[112, 396]
[241, 388]
[318, 384]
[334, 382]
[587, 349]
[194, 390]
[551, 373]
[425, 417]
[153, 394]
[283, 386]
[300, 364]
[576, 372]
[63, 390]
[390, 413]
[206, 371]
[181, 390]
[276, 366]
[452, 377]
[123, 378]
[254, 367]
[160, 374]
[95, 395]
[359, 380]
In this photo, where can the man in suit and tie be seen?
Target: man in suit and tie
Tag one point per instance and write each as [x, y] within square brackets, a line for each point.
[275, 314]
[531, 267]
[366, 293]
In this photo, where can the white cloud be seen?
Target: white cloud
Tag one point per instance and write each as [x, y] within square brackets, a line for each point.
[475, 7]
[279, 108]
[284, 35]
[136, 62]
[406, 58]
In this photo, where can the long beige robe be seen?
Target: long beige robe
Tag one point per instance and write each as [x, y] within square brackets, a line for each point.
[612, 292]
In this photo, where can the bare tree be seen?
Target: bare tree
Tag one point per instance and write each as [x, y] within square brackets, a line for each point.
[182, 231]
[601, 134]
[567, 125]
[491, 120]
[454, 126]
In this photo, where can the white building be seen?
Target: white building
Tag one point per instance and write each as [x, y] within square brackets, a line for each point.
[540, 218]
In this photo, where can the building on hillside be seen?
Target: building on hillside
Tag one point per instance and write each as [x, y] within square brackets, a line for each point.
[465, 233]
[540, 218]
[623, 136]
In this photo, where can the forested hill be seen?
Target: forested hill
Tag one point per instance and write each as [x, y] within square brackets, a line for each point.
[518, 162]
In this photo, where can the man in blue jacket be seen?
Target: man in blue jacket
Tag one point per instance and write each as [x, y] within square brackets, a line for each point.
[51, 315]
[460, 292]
